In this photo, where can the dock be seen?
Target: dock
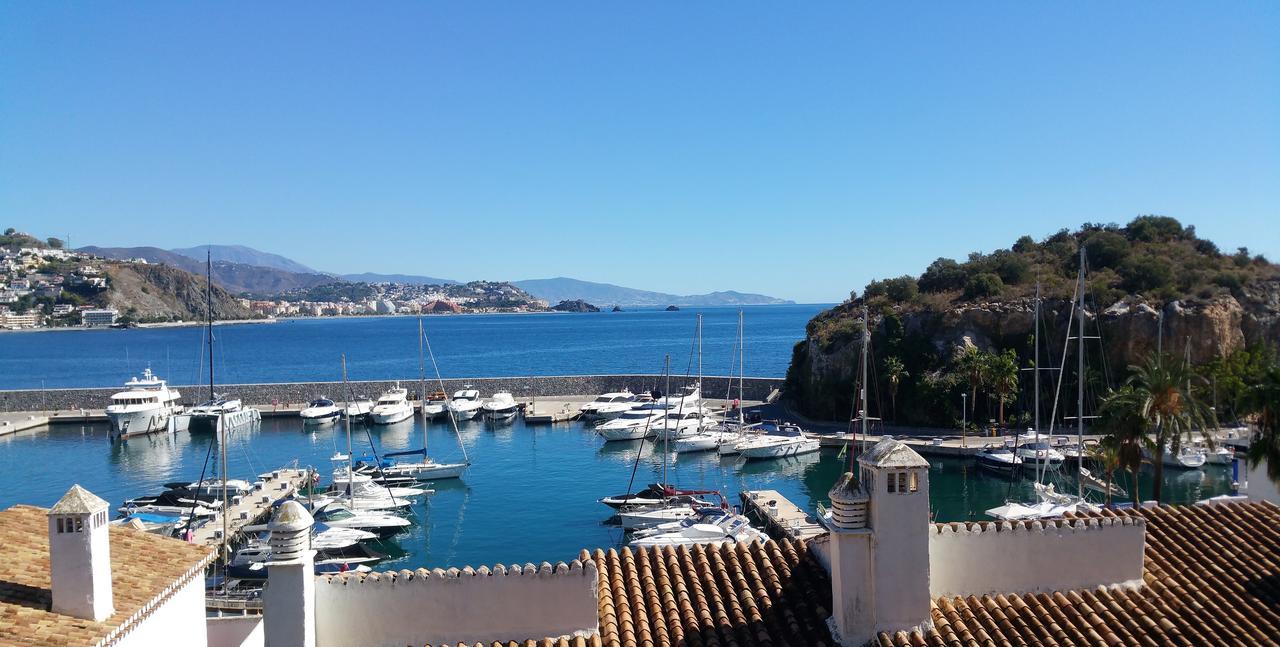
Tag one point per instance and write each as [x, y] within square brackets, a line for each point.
[251, 508]
[550, 411]
[12, 423]
[937, 445]
[780, 515]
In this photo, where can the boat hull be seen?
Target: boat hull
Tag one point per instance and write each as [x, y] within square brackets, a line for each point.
[779, 451]
[138, 423]
[209, 423]
[390, 417]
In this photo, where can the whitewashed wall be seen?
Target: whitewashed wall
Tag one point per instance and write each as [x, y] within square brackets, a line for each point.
[235, 631]
[1012, 558]
[467, 606]
[179, 621]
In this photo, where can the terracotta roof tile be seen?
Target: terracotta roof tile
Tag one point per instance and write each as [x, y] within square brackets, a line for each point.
[1211, 573]
[143, 567]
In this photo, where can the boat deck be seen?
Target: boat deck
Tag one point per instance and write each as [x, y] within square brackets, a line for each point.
[781, 515]
[253, 507]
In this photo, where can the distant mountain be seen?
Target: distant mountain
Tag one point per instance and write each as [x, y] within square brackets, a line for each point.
[234, 277]
[245, 256]
[409, 279]
[566, 289]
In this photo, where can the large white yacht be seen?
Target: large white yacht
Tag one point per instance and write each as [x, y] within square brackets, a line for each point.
[465, 403]
[501, 406]
[787, 440]
[640, 422]
[392, 407]
[144, 406]
[679, 424]
[229, 414]
[321, 411]
[609, 405]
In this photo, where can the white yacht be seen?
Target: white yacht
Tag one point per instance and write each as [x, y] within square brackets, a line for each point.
[788, 440]
[465, 403]
[679, 424]
[338, 515]
[1000, 459]
[359, 408]
[640, 422]
[1037, 450]
[209, 416]
[144, 407]
[392, 407]
[501, 406]
[707, 440]
[609, 405]
[363, 486]
[432, 408]
[727, 528]
[321, 411]
[1187, 457]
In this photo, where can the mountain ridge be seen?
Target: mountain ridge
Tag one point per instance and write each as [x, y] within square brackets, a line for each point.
[561, 288]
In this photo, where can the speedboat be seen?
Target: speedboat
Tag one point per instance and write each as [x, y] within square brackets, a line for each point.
[424, 470]
[359, 408]
[609, 405]
[465, 404]
[431, 409]
[1187, 458]
[363, 486]
[1036, 450]
[728, 529]
[392, 407]
[338, 515]
[788, 440]
[640, 422]
[678, 424]
[653, 495]
[144, 407]
[220, 412]
[1000, 459]
[706, 441]
[501, 406]
[674, 509]
[1219, 454]
[321, 411]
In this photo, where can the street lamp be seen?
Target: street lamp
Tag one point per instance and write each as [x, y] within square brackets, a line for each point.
[964, 417]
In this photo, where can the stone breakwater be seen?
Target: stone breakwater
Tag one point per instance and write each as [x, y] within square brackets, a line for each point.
[523, 388]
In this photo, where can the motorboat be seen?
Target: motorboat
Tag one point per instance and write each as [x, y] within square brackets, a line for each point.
[678, 424]
[609, 405]
[640, 422]
[144, 407]
[1188, 457]
[338, 515]
[321, 411]
[1219, 454]
[432, 409]
[359, 408]
[655, 494]
[1000, 459]
[423, 470]
[220, 413]
[392, 407]
[501, 406]
[674, 509]
[362, 486]
[465, 404]
[788, 440]
[691, 398]
[214, 487]
[728, 529]
[1036, 450]
[707, 440]
[1049, 504]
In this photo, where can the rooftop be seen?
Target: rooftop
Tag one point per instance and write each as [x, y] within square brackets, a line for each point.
[893, 453]
[78, 500]
[143, 568]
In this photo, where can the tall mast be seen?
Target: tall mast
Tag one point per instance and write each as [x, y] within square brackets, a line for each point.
[351, 497]
[1080, 379]
[666, 418]
[1035, 366]
[208, 297]
[742, 357]
[699, 402]
[866, 345]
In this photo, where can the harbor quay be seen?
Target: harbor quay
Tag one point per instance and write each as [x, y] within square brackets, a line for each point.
[269, 395]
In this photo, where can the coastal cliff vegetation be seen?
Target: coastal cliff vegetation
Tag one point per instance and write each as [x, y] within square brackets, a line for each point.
[960, 333]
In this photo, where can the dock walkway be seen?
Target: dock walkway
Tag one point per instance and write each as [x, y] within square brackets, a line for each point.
[781, 515]
[253, 507]
[12, 423]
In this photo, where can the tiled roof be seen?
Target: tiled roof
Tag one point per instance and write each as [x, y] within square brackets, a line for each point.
[892, 453]
[143, 567]
[730, 595]
[1212, 577]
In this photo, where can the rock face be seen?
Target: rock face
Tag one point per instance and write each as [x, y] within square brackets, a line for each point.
[576, 305]
[673, 308]
[820, 379]
[163, 293]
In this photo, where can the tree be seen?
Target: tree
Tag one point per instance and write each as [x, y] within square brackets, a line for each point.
[1000, 374]
[1262, 400]
[10, 231]
[894, 373]
[1161, 402]
[54, 243]
[1108, 455]
[981, 285]
[1119, 419]
[971, 365]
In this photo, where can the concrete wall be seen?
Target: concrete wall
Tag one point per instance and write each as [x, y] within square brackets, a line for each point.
[756, 388]
[966, 559]
[446, 607]
[1261, 488]
[179, 620]
[235, 631]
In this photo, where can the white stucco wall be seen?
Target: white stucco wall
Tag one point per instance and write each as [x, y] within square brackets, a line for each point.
[1012, 558]
[235, 631]
[1261, 488]
[178, 621]
[467, 606]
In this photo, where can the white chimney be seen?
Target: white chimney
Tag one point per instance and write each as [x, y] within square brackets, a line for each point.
[80, 556]
[880, 544]
[289, 599]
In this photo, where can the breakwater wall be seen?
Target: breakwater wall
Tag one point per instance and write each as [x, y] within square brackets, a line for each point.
[523, 388]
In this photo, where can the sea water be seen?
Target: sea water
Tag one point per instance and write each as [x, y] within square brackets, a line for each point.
[530, 494]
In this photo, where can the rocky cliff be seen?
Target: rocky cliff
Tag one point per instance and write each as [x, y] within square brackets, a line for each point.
[163, 293]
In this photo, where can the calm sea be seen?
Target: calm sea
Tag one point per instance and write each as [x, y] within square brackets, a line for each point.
[529, 496]
[303, 350]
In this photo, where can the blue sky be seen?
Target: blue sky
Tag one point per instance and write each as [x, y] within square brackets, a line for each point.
[797, 151]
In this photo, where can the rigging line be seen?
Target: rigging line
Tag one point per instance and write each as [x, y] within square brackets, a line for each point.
[453, 421]
[636, 464]
[196, 501]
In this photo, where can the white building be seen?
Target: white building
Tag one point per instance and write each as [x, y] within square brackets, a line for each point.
[95, 317]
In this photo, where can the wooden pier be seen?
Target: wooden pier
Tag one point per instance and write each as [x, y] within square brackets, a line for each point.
[780, 515]
[252, 507]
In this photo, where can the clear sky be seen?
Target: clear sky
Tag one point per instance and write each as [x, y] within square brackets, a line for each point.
[795, 150]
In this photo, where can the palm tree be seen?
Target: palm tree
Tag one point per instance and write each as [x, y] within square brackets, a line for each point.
[1000, 374]
[894, 372]
[971, 364]
[1125, 431]
[1158, 399]
[1263, 401]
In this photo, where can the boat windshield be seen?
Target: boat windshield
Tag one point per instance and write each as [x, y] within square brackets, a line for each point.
[604, 398]
[322, 403]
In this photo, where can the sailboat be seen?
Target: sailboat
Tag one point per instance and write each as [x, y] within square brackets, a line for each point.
[723, 438]
[218, 412]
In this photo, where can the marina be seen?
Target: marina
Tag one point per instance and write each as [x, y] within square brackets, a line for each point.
[780, 515]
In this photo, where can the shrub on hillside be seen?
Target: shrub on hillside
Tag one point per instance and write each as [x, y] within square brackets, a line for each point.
[943, 275]
[1106, 249]
[982, 285]
[1147, 274]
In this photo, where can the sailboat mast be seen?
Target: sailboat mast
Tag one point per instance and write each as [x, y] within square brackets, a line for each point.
[1080, 380]
[742, 357]
[1035, 365]
[866, 346]
[351, 497]
[422, 379]
[699, 402]
[666, 418]
[208, 298]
